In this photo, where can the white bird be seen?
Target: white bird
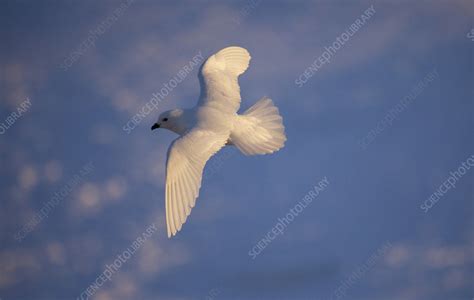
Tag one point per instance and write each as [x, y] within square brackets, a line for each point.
[209, 126]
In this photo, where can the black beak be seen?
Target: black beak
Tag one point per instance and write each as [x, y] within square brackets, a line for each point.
[156, 125]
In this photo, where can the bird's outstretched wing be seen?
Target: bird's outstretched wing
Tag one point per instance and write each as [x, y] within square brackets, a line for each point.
[187, 157]
[219, 79]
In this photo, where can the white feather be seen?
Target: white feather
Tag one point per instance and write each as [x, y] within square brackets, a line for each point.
[211, 125]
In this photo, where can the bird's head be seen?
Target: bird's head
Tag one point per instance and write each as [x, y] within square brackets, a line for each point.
[168, 119]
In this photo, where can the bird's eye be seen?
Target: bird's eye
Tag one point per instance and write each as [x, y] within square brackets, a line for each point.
[165, 119]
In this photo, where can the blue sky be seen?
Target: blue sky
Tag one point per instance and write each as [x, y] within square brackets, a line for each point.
[374, 196]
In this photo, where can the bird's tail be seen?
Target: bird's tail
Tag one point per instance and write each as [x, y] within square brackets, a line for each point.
[259, 130]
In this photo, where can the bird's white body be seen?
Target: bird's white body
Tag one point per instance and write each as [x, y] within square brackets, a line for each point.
[204, 117]
[209, 126]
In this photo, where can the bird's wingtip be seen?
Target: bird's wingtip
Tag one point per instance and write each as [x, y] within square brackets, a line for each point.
[172, 234]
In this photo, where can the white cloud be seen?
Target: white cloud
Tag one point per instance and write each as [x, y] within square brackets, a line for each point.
[28, 177]
[53, 171]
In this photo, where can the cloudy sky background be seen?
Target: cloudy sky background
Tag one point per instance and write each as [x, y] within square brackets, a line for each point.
[374, 194]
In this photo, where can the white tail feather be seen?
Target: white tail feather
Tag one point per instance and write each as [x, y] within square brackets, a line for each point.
[259, 130]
